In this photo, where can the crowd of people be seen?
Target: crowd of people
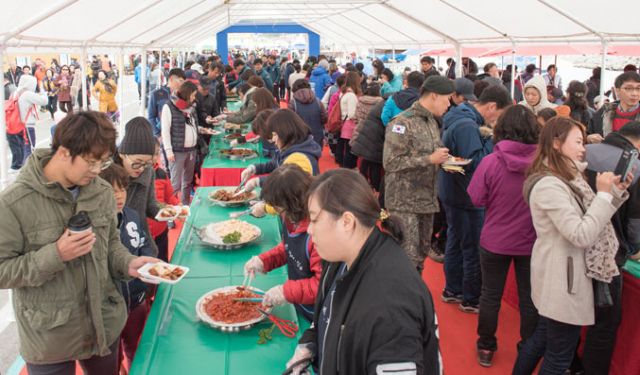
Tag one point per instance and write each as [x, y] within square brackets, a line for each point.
[529, 192]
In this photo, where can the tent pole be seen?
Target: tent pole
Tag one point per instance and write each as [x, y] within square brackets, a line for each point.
[121, 90]
[603, 64]
[458, 60]
[394, 53]
[170, 58]
[85, 93]
[513, 70]
[143, 83]
[3, 140]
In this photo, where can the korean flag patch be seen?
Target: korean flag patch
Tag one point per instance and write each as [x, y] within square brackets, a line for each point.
[398, 129]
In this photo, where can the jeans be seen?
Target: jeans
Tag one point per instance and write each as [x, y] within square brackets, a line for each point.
[462, 254]
[495, 268]
[30, 143]
[371, 171]
[16, 145]
[344, 156]
[96, 365]
[52, 104]
[182, 174]
[553, 340]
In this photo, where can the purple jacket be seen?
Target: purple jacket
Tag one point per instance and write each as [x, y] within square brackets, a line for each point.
[497, 186]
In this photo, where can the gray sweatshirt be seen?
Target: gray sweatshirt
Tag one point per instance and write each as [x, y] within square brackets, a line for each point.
[29, 98]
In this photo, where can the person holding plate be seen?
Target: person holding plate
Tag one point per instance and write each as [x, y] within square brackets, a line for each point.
[285, 190]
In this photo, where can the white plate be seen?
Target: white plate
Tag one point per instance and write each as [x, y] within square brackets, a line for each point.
[147, 277]
[254, 195]
[457, 162]
[225, 327]
[217, 240]
[170, 218]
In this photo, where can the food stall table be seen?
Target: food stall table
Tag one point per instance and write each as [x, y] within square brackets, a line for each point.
[175, 341]
[233, 106]
[217, 171]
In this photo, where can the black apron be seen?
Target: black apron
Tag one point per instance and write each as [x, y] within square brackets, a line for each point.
[296, 247]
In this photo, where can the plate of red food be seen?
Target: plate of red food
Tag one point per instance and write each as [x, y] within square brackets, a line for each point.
[219, 310]
[238, 153]
[224, 198]
[454, 160]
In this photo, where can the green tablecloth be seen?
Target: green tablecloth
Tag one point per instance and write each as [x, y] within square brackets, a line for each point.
[213, 159]
[175, 342]
[234, 106]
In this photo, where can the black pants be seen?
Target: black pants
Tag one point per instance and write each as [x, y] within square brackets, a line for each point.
[439, 234]
[16, 145]
[66, 107]
[601, 337]
[495, 268]
[276, 92]
[162, 242]
[96, 365]
[52, 105]
[372, 171]
[344, 157]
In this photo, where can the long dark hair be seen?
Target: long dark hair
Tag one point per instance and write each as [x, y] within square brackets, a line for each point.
[352, 81]
[263, 98]
[342, 190]
[577, 99]
[519, 124]
[107, 85]
[289, 127]
[548, 159]
[286, 189]
[259, 124]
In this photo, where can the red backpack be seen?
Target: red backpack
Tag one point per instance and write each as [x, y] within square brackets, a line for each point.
[334, 124]
[12, 114]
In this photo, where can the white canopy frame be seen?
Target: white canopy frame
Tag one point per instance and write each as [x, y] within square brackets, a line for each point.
[384, 24]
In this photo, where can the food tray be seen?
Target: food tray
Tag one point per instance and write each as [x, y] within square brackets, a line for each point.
[149, 278]
[229, 138]
[457, 161]
[227, 246]
[225, 327]
[159, 216]
[252, 155]
[209, 131]
[180, 208]
[253, 195]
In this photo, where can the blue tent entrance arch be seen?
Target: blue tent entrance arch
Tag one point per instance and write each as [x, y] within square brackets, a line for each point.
[223, 36]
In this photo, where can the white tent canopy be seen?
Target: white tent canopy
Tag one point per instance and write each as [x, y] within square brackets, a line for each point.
[162, 24]
[124, 26]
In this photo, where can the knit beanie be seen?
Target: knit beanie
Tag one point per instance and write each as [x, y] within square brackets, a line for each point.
[138, 138]
[324, 64]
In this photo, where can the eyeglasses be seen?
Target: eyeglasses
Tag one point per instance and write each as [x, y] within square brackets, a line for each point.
[138, 166]
[99, 164]
[630, 89]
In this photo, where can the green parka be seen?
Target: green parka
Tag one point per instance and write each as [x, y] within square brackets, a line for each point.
[64, 311]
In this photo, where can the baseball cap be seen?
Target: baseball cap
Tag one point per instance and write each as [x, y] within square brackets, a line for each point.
[464, 87]
[206, 83]
[197, 67]
[192, 75]
[439, 85]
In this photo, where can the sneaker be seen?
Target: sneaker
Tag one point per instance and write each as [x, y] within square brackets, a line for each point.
[435, 254]
[484, 357]
[448, 297]
[171, 224]
[469, 308]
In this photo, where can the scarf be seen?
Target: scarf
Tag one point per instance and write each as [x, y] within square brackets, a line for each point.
[186, 108]
[599, 257]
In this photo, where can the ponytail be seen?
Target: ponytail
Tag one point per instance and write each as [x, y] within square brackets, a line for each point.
[394, 226]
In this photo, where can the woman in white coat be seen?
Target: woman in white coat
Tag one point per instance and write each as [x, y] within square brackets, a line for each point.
[575, 245]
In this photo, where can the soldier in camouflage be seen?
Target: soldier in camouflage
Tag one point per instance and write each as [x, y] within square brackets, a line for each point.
[413, 152]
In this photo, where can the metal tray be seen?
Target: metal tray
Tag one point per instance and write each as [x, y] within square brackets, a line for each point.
[228, 140]
[254, 195]
[224, 327]
[227, 246]
[254, 154]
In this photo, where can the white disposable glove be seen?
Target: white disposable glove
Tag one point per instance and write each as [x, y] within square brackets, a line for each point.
[302, 352]
[248, 172]
[233, 143]
[253, 266]
[252, 184]
[274, 296]
[258, 209]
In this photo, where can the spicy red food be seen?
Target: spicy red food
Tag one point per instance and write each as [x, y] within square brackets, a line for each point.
[222, 308]
[224, 196]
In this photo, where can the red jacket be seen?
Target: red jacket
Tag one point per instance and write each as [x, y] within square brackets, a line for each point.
[164, 194]
[296, 291]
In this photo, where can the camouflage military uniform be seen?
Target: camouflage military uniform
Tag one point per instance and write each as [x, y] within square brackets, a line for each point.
[411, 181]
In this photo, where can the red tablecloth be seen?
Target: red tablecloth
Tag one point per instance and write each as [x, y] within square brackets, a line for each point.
[625, 359]
[220, 176]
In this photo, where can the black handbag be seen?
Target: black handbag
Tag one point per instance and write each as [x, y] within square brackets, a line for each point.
[203, 147]
[601, 294]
